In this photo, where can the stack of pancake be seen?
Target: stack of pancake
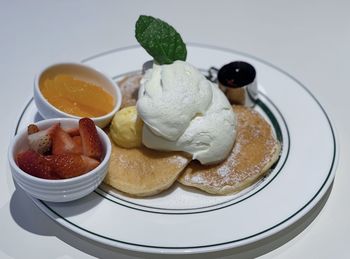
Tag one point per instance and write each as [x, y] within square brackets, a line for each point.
[144, 172]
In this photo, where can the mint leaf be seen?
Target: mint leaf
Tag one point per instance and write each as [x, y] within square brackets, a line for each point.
[160, 40]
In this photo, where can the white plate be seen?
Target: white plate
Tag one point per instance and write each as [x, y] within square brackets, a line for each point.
[185, 221]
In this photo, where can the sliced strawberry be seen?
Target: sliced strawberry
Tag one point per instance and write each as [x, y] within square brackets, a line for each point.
[72, 165]
[41, 141]
[90, 163]
[77, 140]
[35, 164]
[63, 143]
[32, 128]
[92, 145]
[72, 132]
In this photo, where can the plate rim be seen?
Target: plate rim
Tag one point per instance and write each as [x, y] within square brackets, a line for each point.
[213, 247]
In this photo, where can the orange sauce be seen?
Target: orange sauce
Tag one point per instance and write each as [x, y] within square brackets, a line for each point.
[77, 97]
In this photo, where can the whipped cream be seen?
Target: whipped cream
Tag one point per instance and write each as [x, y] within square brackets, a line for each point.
[183, 111]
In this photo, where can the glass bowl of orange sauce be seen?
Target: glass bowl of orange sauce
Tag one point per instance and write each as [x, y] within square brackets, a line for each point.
[75, 90]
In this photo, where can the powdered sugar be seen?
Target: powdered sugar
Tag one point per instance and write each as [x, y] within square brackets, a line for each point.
[253, 152]
[178, 160]
[198, 179]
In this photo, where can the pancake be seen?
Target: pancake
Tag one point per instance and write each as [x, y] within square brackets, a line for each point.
[129, 87]
[142, 171]
[254, 152]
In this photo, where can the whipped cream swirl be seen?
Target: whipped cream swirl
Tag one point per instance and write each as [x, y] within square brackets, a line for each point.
[183, 111]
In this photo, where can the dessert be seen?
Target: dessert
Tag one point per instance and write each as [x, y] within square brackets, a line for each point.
[255, 151]
[181, 110]
[126, 128]
[55, 154]
[129, 87]
[142, 171]
[188, 128]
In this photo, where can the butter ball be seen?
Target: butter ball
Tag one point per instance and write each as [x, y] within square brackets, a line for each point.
[126, 128]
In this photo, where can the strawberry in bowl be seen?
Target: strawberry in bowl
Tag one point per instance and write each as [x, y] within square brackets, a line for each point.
[60, 159]
[56, 153]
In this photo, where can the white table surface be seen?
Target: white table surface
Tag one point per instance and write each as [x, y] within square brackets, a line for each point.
[308, 39]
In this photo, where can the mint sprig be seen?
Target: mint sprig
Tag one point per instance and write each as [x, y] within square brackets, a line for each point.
[160, 40]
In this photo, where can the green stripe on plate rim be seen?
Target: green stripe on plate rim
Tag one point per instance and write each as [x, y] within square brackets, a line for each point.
[51, 212]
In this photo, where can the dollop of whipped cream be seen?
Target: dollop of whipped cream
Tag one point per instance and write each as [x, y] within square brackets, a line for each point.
[183, 111]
